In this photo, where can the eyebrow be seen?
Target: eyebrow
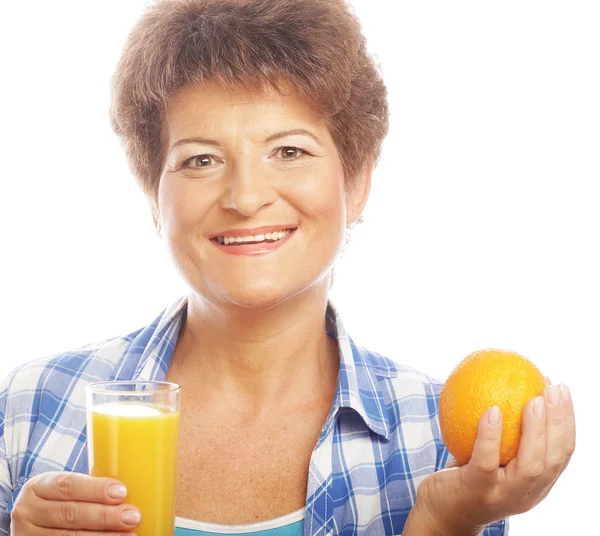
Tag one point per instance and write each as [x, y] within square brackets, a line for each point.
[292, 133]
[204, 141]
[276, 136]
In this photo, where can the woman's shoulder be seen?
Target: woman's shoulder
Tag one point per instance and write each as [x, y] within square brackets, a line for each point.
[59, 373]
[403, 378]
[42, 405]
[405, 400]
[97, 361]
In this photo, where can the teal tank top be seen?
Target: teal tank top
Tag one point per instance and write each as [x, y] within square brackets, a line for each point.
[288, 525]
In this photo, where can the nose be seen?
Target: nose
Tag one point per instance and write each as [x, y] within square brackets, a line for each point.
[248, 189]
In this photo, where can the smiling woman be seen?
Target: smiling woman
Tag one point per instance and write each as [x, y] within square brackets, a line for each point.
[253, 127]
[242, 165]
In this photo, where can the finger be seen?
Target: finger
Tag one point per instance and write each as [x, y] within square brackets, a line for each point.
[482, 469]
[570, 428]
[556, 437]
[548, 381]
[85, 516]
[62, 532]
[527, 468]
[560, 443]
[55, 486]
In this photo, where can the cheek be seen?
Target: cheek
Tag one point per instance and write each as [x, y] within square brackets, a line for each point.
[181, 206]
[321, 193]
[330, 208]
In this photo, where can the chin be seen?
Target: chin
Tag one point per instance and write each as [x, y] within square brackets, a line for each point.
[257, 297]
[269, 295]
[257, 291]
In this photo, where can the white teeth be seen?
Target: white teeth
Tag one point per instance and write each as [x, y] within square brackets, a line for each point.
[277, 235]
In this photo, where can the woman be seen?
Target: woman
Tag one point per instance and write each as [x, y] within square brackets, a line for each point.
[253, 127]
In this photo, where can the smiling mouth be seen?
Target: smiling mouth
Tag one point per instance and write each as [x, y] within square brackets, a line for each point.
[266, 238]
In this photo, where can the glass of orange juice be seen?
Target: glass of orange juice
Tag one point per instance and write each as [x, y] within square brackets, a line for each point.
[132, 433]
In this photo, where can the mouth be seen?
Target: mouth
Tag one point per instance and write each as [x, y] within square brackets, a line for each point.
[265, 238]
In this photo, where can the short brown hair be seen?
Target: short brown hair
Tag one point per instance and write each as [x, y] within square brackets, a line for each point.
[315, 46]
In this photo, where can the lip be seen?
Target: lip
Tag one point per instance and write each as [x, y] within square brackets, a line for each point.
[262, 248]
[253, 232]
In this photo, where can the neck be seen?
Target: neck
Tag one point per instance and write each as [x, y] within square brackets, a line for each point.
[258, 358]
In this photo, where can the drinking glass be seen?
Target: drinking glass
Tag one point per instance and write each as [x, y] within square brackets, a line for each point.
[133, 433]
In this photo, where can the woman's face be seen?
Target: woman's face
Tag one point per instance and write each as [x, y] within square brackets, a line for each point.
[252, 203]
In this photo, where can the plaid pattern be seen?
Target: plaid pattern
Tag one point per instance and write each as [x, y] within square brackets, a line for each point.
[380, 440]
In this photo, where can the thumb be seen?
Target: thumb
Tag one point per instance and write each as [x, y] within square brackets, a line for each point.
[482, 469]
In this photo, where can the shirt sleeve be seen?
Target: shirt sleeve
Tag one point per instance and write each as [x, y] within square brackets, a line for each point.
[5, 479]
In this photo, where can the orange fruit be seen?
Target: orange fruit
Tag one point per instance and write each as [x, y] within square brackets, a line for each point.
[484, 379]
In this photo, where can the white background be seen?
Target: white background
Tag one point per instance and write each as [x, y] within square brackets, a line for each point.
[482, 229]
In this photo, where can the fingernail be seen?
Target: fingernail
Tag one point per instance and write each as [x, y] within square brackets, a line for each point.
[117, 491]
[538, 407]
[494, 416]
[564, 390]
[554, 395]
[131, 517]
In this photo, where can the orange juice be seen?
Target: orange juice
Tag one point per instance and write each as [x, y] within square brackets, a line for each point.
[136, 443]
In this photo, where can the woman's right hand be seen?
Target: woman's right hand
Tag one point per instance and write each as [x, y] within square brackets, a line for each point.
[62, 503]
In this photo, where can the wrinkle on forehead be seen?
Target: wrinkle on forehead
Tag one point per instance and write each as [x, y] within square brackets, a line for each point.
[233, 113]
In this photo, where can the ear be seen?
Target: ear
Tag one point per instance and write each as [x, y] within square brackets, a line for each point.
[155, 215]
[357, 194]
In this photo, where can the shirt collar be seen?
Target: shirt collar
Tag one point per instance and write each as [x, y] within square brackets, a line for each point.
[156, 342]
[357, 385]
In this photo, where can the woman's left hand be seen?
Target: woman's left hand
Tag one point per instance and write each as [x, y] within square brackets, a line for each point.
[462, 500]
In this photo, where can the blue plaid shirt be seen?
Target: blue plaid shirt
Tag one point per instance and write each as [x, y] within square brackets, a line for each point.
[380, 440]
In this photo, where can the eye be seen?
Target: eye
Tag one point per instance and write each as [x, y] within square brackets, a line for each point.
[200, 161]
[290, 153]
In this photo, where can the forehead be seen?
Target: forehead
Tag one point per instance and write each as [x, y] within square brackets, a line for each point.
[212, 107]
